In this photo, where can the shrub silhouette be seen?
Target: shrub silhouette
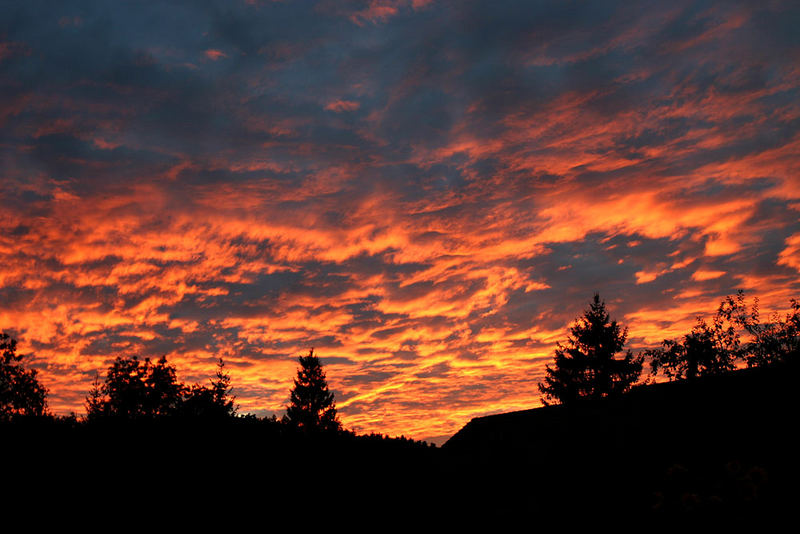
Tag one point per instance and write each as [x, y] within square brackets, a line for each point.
[586, 366]
[20, 390]
[312, 407]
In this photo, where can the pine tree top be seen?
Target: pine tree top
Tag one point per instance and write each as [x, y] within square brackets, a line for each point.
[311, 403]
[585, 366]
[595, 334]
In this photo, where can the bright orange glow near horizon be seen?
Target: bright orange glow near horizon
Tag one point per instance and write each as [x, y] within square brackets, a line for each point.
[426, 194]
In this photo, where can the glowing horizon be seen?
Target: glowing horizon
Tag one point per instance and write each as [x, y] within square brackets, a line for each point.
[426, 195]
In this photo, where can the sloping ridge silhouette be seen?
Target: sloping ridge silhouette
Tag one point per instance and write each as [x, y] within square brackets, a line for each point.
[721, 442]
[749, 406]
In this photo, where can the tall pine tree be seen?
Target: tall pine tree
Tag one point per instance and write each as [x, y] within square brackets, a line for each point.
[586, 366]
[312, 407]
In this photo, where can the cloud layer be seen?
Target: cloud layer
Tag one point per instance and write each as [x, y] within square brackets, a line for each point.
[427, 193]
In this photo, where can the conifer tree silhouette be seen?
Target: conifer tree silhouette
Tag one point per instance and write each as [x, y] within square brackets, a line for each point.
[586, 367]
[312, 407]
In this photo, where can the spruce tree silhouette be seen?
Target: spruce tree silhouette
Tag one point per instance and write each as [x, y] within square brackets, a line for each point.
[586, 367]
[20, 390]
[312, 407]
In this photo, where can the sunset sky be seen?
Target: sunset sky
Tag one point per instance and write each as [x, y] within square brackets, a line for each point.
[425, 192]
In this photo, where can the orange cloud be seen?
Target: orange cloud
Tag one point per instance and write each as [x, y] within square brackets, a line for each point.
[790, 256]
[340, 106]
[214, 54]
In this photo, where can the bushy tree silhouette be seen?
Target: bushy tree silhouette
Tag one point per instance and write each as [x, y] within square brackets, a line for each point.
[312, 407]
[774, 341]
[708, 349]
[586, 366]
[715, 348]
[20, 390]
[136, 389]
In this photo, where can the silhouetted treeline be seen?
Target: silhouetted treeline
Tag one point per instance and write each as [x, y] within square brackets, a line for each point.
[586, 366]
[142, 400]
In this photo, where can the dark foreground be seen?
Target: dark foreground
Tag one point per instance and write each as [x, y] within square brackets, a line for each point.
[722, 446]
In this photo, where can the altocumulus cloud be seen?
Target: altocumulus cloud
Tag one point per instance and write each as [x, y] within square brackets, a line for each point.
[426, 192]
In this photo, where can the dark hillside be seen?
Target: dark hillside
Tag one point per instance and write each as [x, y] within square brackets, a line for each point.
[745, 408]
[724, 442]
